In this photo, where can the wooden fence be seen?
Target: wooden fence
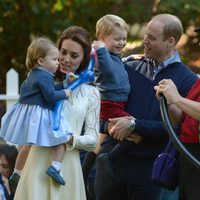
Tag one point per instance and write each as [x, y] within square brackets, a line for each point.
[12, 89]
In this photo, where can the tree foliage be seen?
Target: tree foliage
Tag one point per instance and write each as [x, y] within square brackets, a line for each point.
[21, 20]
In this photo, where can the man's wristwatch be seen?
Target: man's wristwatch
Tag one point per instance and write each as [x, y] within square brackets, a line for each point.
[132, 124]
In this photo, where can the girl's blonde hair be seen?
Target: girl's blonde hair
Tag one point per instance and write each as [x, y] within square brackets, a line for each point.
[38, 49]
[109, 23]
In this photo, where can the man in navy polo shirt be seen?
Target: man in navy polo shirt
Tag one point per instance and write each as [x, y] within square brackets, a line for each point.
[133, 170]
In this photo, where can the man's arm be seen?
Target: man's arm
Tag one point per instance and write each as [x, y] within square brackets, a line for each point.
[120, 129]
[152, 130]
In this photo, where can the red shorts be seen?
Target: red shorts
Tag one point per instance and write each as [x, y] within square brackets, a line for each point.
[112, 109]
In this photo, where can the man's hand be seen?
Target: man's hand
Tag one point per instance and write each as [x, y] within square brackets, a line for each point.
[120, 128]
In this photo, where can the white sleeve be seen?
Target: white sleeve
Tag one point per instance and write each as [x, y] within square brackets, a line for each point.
[88, 139]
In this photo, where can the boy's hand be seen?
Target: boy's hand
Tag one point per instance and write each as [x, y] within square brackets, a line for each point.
[98, 44]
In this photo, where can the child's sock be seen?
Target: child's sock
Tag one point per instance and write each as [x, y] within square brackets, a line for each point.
[56, 165]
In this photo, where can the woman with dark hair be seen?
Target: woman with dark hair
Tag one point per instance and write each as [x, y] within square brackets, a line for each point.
[81, 112]
[8, 155]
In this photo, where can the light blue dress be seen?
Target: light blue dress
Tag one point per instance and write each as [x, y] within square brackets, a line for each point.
[30, 121]
[33, 125]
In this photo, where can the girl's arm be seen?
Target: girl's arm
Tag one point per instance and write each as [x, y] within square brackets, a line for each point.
[47, 88]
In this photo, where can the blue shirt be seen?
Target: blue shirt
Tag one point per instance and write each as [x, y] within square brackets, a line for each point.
[110, 77]
[174, 58]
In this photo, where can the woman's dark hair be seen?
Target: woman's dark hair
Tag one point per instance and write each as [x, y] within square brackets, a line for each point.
[82, 37]
[10, 152]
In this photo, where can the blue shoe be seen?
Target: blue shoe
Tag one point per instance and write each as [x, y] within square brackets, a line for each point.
[107, 165]
[53, 173]
[13, 182]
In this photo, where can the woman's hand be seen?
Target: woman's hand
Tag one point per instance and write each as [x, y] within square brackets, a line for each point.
[169, 90]
[71, 139]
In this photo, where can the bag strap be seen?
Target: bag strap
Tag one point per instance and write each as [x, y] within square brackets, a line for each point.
[170, 149]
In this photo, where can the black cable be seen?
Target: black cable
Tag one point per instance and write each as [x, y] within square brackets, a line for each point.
[179, 146]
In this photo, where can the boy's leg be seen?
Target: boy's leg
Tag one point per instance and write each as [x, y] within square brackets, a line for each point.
[90, 157]
[105, 187]
[120, 149]
[108, 159]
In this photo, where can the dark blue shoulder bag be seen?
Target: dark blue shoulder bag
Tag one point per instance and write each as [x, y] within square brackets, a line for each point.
[166, 166]
[165, 172]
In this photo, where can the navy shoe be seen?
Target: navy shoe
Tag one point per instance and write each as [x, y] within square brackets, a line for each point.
[52, 172]
[13, 182]
[107, 164]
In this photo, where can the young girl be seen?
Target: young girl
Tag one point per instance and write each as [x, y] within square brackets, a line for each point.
[30, 122]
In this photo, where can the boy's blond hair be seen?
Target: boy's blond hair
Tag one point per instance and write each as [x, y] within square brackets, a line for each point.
[109, 23]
